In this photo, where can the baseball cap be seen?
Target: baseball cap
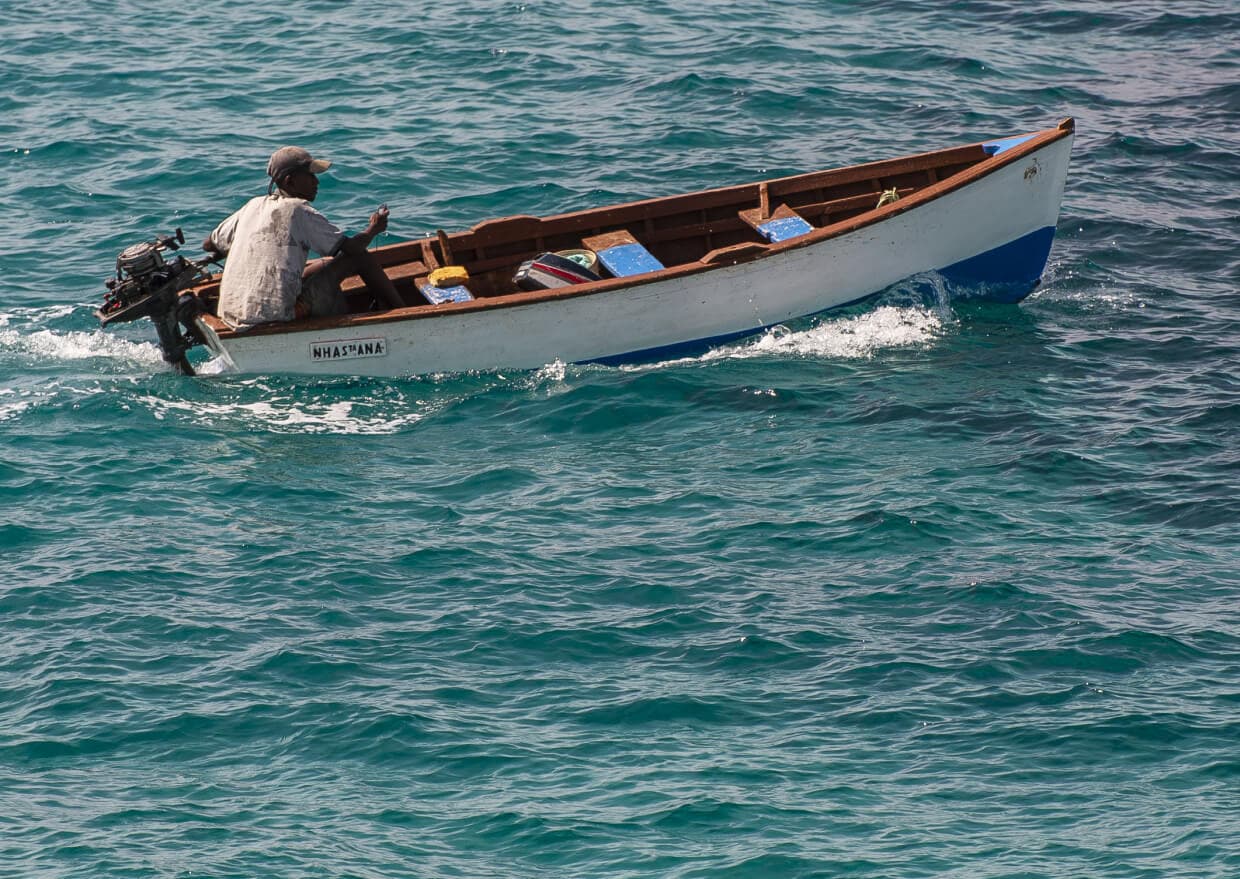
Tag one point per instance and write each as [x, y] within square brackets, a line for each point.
[287, 159]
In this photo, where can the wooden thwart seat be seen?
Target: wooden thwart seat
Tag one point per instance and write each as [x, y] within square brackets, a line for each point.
[779, 225]
[397, 273]
[621, 254]
[734, 253]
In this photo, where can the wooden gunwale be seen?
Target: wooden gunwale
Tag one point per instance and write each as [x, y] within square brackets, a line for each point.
[640, 212]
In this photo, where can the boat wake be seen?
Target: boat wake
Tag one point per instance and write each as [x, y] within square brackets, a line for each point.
[859, 337]
[258, 405]
[855, 337]
[50, 345]
[33, 334]
[48, 338]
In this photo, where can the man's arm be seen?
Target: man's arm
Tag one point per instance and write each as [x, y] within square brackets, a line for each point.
[359, 259]
[358, 243]
[221, 238]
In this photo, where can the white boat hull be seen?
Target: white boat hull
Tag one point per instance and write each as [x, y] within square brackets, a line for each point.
[997, 227]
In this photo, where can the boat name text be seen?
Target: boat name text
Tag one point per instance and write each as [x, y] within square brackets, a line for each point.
[348, 349]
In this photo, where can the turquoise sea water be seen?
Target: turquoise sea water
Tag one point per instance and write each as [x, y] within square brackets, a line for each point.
[926, 588]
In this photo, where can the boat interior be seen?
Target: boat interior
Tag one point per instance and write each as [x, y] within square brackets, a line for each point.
[697, 230]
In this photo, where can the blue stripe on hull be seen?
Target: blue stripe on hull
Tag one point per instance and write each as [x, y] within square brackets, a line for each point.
[1008, 273]
[675, 350]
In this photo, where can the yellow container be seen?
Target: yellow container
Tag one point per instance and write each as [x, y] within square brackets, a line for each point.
[448, 276]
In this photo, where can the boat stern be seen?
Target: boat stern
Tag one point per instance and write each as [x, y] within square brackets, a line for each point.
[217, 349]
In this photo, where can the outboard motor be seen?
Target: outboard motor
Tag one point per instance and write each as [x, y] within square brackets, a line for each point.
[147, 285]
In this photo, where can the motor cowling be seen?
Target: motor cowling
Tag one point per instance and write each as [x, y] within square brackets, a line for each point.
[148, 285]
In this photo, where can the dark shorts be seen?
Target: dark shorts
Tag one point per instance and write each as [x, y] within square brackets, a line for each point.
[320, 294]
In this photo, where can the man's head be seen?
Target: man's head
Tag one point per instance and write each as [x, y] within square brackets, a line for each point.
[293, 170]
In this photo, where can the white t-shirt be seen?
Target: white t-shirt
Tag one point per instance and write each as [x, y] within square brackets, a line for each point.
[268, 242]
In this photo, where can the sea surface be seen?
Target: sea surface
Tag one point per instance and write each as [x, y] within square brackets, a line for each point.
[929, 587]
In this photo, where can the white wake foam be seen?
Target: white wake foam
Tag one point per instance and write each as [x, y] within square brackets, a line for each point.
[288, 415]
[847, 338]
[33, 333]
[863, 336]
[52, 345]
[14, 402]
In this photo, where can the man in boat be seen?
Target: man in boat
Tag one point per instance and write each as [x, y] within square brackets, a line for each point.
[268, 277]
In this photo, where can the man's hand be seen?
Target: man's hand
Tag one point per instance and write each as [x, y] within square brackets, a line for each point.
[378, 222]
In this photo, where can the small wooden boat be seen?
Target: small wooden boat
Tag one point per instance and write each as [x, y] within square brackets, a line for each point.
[687, 271]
